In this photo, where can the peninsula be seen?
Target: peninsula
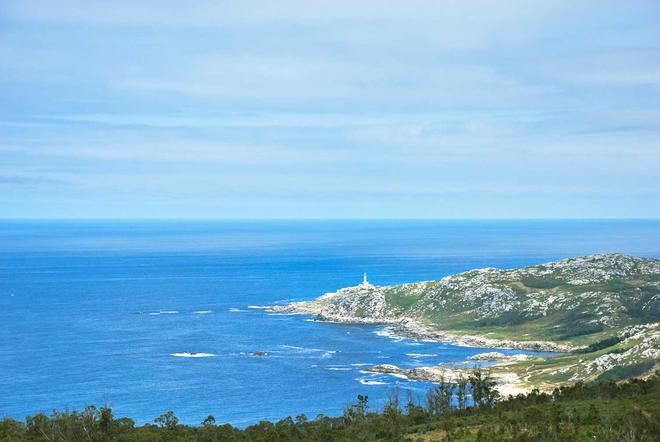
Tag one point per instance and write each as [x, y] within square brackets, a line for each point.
[599, 313]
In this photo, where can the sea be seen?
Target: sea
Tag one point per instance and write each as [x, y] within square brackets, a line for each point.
[152, 316]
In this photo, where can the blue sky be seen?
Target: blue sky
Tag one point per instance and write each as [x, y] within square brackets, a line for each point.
[330, 109]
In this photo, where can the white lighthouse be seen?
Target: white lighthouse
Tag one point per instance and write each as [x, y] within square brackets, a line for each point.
[365, 283]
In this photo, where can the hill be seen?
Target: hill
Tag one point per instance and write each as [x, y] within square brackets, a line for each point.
[602, 309]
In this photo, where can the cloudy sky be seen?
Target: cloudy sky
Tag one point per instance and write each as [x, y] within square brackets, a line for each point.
[329, 109]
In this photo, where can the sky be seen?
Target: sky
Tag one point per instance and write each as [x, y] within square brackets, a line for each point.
[330, 109]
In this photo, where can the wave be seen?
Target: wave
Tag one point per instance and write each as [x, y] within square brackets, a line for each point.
[394, 375]
[360, 364]
[302, 349]
[388, 332]
[164, 312]
[259, 307]
[421, 355]
[339, 368]
[370, 382]
[192, 355]
[237, 310]
[307, 350]
[203, 312]
[312, 352]
[398, 375]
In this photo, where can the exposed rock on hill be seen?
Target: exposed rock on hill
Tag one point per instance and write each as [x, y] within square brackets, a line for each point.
[606, 307]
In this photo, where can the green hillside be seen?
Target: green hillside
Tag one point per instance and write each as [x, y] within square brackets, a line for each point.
[603, 310]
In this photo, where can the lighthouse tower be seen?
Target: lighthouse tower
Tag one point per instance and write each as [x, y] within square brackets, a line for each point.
[365, 283]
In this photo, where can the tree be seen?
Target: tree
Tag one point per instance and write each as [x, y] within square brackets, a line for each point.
[483, 388]
[209, 421]
[105, 420]
[461, 392]
[167, 420]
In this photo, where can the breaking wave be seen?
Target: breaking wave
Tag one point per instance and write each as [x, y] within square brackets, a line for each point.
[192, 355]
[370, 382]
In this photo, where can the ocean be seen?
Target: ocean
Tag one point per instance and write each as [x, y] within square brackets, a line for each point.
[105, 312]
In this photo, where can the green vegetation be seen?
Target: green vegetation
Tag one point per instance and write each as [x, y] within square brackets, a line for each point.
[626, 372]
[598, 411]
[567, 301]
[598, 313]
[604, 343]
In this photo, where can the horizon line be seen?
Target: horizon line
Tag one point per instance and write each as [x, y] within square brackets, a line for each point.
[265, 219]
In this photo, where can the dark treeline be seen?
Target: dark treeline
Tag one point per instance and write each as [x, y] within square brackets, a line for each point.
[467, 410]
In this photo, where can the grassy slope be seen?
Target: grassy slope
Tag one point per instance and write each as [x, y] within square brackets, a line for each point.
[626, 301]
[572, 325]
[561, 369]
[611, 411]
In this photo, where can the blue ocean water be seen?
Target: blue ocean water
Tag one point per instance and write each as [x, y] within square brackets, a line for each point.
[91, 312]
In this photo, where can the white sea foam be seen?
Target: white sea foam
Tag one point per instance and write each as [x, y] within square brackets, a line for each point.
[237, 310]
[360, 364]
[193, 355]
[307, 350]
[261, 307]
[388, 333]
[203, 312]
[370, 382]
[397, 375]
[164, 312]
[339, 368]
[421, 355]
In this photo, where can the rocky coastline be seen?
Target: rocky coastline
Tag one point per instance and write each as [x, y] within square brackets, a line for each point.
[594, 313]
[413, 329]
